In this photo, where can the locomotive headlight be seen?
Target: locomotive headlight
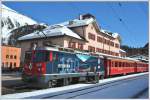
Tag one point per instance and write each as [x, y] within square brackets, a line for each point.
[39, 69]
[30, 66]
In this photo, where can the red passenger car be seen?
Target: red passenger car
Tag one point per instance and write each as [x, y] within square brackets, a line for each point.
[122, 66]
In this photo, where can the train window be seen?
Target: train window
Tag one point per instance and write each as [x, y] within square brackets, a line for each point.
[28, 56]
[41, 56]
[116, 65]
[119, 64]
[112, 63]
[123, 64]
[127, 64]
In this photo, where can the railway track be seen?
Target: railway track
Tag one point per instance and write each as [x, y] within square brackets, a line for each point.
[69, 94]
[17, 89]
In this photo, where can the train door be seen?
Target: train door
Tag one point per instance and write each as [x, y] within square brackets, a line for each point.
[50, 64]
[106, 67]
[135, 67]
[100, 68]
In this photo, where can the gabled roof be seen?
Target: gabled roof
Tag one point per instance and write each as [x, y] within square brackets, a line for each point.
[77, 22]
[63, 29]
[122, 51]
[87, 21]
[54, 30]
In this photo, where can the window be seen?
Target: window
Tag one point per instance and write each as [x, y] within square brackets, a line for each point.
[91, 49]
[91, 36]
[116, 64]
[111, 43]
[117, 45]
[6, 64]
[99, 39]
[97, 49]
[7, 56]
[104, 40]
[10, 64]
[33, 45]
[28, 57]
[72, 45]
[120, 64]
[80, 46]
[3, 64]
[41, 56]
[11, 56]
[112, 64]
[14, 64]
[15, 57]
[107, 42]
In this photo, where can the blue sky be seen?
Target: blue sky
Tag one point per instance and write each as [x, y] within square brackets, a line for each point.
[129, 19]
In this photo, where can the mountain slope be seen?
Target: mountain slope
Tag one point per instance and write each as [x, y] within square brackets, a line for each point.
[12, 20]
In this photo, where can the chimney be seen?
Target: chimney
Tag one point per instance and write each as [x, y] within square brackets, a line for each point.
[80, 17]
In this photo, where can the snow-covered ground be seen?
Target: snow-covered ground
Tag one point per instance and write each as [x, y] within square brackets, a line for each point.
[58, 89]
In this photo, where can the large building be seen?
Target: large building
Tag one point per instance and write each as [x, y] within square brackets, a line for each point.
[10, 57]
[82, 34]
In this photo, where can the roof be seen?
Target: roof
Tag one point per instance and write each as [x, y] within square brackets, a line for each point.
[109, 33]
[54, 30]
[122, 51]
[63, 29]
[84, 22]
[140, 57]
[78, 22]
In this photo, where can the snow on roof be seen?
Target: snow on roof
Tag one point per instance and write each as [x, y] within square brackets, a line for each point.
[78, 22]
[122, 51]
[114, 35]
[82, 22]
[54, 30]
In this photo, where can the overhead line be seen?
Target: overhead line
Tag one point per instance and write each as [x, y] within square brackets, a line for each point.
[120, 20]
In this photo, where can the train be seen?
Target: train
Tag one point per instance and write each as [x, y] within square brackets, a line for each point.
[49, 67]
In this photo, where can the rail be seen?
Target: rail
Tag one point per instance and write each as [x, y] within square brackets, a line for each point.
[75, 92]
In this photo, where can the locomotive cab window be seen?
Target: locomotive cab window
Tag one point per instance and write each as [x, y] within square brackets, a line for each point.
[40, 56]
[28, 56]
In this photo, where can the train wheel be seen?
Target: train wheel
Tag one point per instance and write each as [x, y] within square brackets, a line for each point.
[50, 84]
[66, 81]
[102, 77]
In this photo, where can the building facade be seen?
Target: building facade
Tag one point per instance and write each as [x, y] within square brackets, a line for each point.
[10, 57]
[81, 34]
